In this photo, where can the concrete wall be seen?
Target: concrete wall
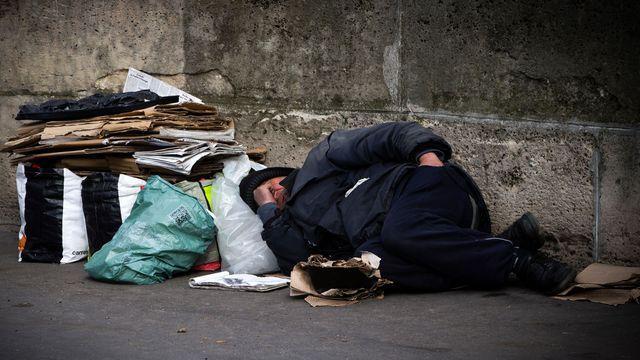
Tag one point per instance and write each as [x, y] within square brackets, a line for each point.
[540, 101]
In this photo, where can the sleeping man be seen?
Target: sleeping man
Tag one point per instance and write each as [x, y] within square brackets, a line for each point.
[392, 190]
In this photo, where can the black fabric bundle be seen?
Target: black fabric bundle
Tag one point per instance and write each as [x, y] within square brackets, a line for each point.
[92, 106]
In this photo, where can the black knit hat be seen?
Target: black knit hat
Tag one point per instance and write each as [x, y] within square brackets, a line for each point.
[255, 179]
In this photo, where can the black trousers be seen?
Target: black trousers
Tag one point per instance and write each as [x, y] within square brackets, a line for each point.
[426, 241]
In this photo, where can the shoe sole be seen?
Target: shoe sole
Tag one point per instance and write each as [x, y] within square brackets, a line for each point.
[563, 284]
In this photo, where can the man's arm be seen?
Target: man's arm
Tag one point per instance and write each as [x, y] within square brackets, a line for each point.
[390, 142]
[285, 241]
[266, 202]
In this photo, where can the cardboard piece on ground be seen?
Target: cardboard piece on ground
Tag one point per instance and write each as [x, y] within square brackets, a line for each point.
[337, 283]
[318, 301]
[604, 274]
[602, 295]
[605, 284]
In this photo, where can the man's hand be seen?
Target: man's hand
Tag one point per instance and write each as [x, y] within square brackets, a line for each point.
[262, 194]
[430, 159]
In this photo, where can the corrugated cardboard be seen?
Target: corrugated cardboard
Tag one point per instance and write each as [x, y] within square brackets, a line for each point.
[605, 284]
[326, 282]
[604, 274]
[111, 142]
[599, 294]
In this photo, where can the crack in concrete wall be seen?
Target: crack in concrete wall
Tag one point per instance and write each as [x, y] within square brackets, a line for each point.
[391, 70]
[392, 62]
[597, 181]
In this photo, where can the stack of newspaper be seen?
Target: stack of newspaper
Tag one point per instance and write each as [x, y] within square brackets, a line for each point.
[243, 282]
[187, 156]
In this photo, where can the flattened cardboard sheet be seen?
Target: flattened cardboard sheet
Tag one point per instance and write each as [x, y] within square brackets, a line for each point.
[605, 284]
[604, 274]
[602, 295]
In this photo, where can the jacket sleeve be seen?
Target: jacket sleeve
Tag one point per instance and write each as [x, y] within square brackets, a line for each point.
[285, 241]
[390, 142]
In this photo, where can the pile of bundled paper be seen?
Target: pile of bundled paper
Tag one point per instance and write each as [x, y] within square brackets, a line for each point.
[177, 141]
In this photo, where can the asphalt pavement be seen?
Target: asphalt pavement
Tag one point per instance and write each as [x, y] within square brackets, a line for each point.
[50, 311]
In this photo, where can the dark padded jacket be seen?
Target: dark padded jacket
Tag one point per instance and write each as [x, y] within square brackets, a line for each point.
[340, 196]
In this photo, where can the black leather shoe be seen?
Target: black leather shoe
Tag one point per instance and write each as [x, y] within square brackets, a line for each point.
[544, 274]
[524, 233]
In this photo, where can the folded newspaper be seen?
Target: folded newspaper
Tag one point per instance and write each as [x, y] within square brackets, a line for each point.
[244, 282]
[137, 80]
[182, 159]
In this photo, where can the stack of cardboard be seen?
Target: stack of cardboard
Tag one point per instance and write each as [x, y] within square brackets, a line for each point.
[177, 141]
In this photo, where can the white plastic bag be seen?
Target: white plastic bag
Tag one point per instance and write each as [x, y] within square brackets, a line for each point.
[239, 229]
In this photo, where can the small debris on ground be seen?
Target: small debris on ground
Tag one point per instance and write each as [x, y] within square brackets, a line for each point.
[23, 305]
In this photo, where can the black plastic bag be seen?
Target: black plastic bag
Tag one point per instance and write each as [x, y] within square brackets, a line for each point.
[107, 200]
[92, 106]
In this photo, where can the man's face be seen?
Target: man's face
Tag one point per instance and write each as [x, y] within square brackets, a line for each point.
[278, 191]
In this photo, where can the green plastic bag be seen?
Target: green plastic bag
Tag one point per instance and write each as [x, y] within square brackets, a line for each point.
[165, 233]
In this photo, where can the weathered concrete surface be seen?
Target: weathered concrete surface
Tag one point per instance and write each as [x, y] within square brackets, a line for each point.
[69, 316]
[479, 71]
[620, 198]
[327, 53]
[64, 46]
[289, 135]
[566, 60]
[560, 59]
